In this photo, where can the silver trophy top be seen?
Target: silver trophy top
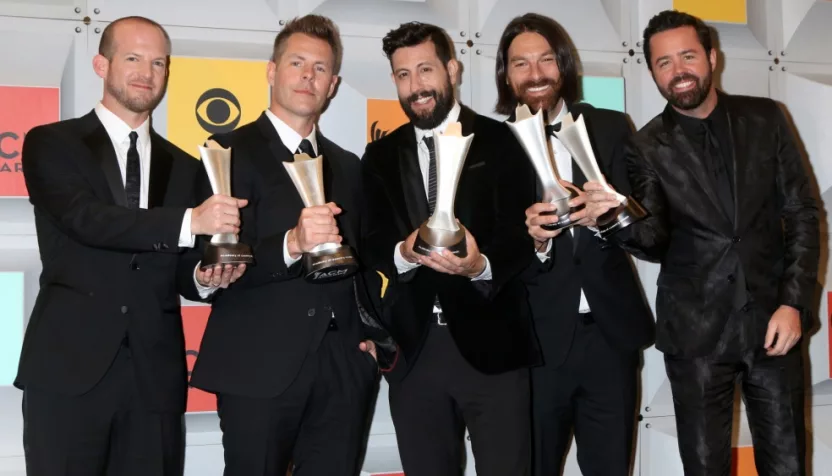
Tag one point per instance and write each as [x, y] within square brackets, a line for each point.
[531, 133]
[451, 151]
[217, 162]
[308, 176]
[575, 138]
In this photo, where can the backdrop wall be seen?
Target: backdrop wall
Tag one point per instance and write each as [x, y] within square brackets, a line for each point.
[772, 48]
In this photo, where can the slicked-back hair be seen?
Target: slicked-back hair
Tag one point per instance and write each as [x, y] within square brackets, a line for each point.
[316, 26]
[414, 34]
[670, 20]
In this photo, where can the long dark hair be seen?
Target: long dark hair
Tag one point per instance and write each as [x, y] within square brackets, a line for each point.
[565, 55]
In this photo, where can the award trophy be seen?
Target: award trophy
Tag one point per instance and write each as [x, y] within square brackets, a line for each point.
[573, 135]
[224, 248]
[441, 231]
[531, 133]
[326, 262]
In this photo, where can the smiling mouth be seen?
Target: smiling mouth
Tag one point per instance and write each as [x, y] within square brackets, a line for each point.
[684, 85]
[537, 89]
[422, 101]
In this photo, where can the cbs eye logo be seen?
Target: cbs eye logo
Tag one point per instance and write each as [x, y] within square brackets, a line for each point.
[218, 110]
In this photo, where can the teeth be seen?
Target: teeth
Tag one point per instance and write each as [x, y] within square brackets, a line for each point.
[538, 89]
[423, 100]
[684, 85]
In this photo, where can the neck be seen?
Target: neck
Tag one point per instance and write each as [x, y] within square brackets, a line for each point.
[553, 113]
[703, 110]
[301, 125]
[132, 119]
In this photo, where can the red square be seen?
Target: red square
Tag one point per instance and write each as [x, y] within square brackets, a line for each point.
[194, 319]
[21, 109]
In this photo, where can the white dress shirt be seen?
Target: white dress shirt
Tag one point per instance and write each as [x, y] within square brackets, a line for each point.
[291, 140]
[563, 161]
[119, 133]
[402, 265]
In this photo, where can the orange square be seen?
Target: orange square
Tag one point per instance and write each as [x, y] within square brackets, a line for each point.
[383, 116]
[742, 462]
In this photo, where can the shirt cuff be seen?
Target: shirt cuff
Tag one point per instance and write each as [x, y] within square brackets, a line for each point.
[186, 239]
[402, 265]
[486, 273]
[287, 258]
[544, 255]
[204, 291]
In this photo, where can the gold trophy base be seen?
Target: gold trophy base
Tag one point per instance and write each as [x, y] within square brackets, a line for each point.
[221, 254]
[620, 217]
[431, 239]
[330, 264]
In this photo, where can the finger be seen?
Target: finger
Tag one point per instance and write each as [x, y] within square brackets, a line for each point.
[544, 220]
[770, 333]
[204, 276]
[216, 277]
[592, 186]
[432, 262]
[321, 238]
[335, 209]
[318, 210]
[782, 342]
[542, 235]
[539, 208]
[238, 272]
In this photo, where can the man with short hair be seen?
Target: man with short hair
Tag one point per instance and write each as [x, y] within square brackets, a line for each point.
[103, 367]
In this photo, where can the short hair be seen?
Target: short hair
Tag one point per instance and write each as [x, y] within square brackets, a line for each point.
[316, 26]
[107, 45]
[415, 33]
[670, 20]
[561, 44]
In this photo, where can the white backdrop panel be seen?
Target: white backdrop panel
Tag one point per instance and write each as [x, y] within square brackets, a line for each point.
[57, 9]
[220, 14]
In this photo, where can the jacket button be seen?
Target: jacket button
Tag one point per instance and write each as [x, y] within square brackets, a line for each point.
[134, 266]
[736, 239]
[731, 278]
[310, 312]
[124, 309]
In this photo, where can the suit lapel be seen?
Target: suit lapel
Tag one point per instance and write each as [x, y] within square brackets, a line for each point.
[102, 149]
[413, 185]
[582, 237]
[161, 163]
[691, 161]
[739, 156]
[337, 190]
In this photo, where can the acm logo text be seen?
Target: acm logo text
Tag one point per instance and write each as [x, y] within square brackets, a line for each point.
[9, 153]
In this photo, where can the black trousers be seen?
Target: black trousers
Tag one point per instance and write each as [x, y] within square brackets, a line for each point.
[593, 393]
[107, 431]
[772, 387]
[442, 395]
[317, 425]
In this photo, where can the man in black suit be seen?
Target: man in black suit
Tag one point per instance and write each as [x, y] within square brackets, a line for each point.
[103, 361]
[735, 227]
[462, 324]
[589, 314]
[282, 354]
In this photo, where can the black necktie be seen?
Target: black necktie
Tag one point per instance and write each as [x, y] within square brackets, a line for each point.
[132, 185]
[552, 128]
[305, 147]
[717, 168]
[431, 174]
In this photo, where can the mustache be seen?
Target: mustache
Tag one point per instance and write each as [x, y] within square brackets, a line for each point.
[682, 78]
[422, 94]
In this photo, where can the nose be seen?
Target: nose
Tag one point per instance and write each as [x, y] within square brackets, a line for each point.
[308, 72]
[534, 72]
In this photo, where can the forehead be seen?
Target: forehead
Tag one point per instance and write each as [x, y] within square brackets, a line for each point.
[528, 43]
[674, 41]
[309, 47]
[410, 56]
[134, 35]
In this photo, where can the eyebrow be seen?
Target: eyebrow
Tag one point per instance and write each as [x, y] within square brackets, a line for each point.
[520, 57]
[417, 67]
[683, 52]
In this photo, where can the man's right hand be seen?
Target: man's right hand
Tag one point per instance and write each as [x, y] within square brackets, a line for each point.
[406, 248]
[218, 214]
[534, 220]
[316, 226]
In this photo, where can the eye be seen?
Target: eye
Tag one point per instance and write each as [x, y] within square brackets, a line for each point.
[218, 110]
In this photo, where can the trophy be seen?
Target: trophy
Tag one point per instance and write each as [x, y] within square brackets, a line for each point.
[326, 262]
[574, 137]
[531, 133]
[224, 248]
[441, 231]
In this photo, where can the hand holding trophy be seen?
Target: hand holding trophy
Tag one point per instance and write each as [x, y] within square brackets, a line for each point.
[328, 261]
[223, 248]
[531, 133]
[441, 231]
[575, 138]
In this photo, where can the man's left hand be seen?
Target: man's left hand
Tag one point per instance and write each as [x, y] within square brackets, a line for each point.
[785, 324]
[446, 262]
[369, 347]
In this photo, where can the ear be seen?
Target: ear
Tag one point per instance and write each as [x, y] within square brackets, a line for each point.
[712, 56]
[101, 66]
[271, 69]
[332, 86]
[453, 71]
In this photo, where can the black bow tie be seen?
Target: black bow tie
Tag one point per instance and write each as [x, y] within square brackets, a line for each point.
[552, 128]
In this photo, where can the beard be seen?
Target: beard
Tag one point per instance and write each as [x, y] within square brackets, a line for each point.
[139, 103]
[546, 102]
[691, 99]
[444, 102]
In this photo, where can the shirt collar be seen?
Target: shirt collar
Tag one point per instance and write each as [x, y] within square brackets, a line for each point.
[453, 116]
[288, 136]
[117, 129]
[564, 110]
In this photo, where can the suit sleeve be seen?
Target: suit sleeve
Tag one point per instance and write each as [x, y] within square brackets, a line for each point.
[57, 187]
[799, 214]
[647, 239]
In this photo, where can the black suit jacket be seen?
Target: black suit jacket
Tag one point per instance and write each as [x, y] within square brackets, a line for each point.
[262, 327]
[603, 271]
[108, 271]
[771, 238]
[490, 321]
